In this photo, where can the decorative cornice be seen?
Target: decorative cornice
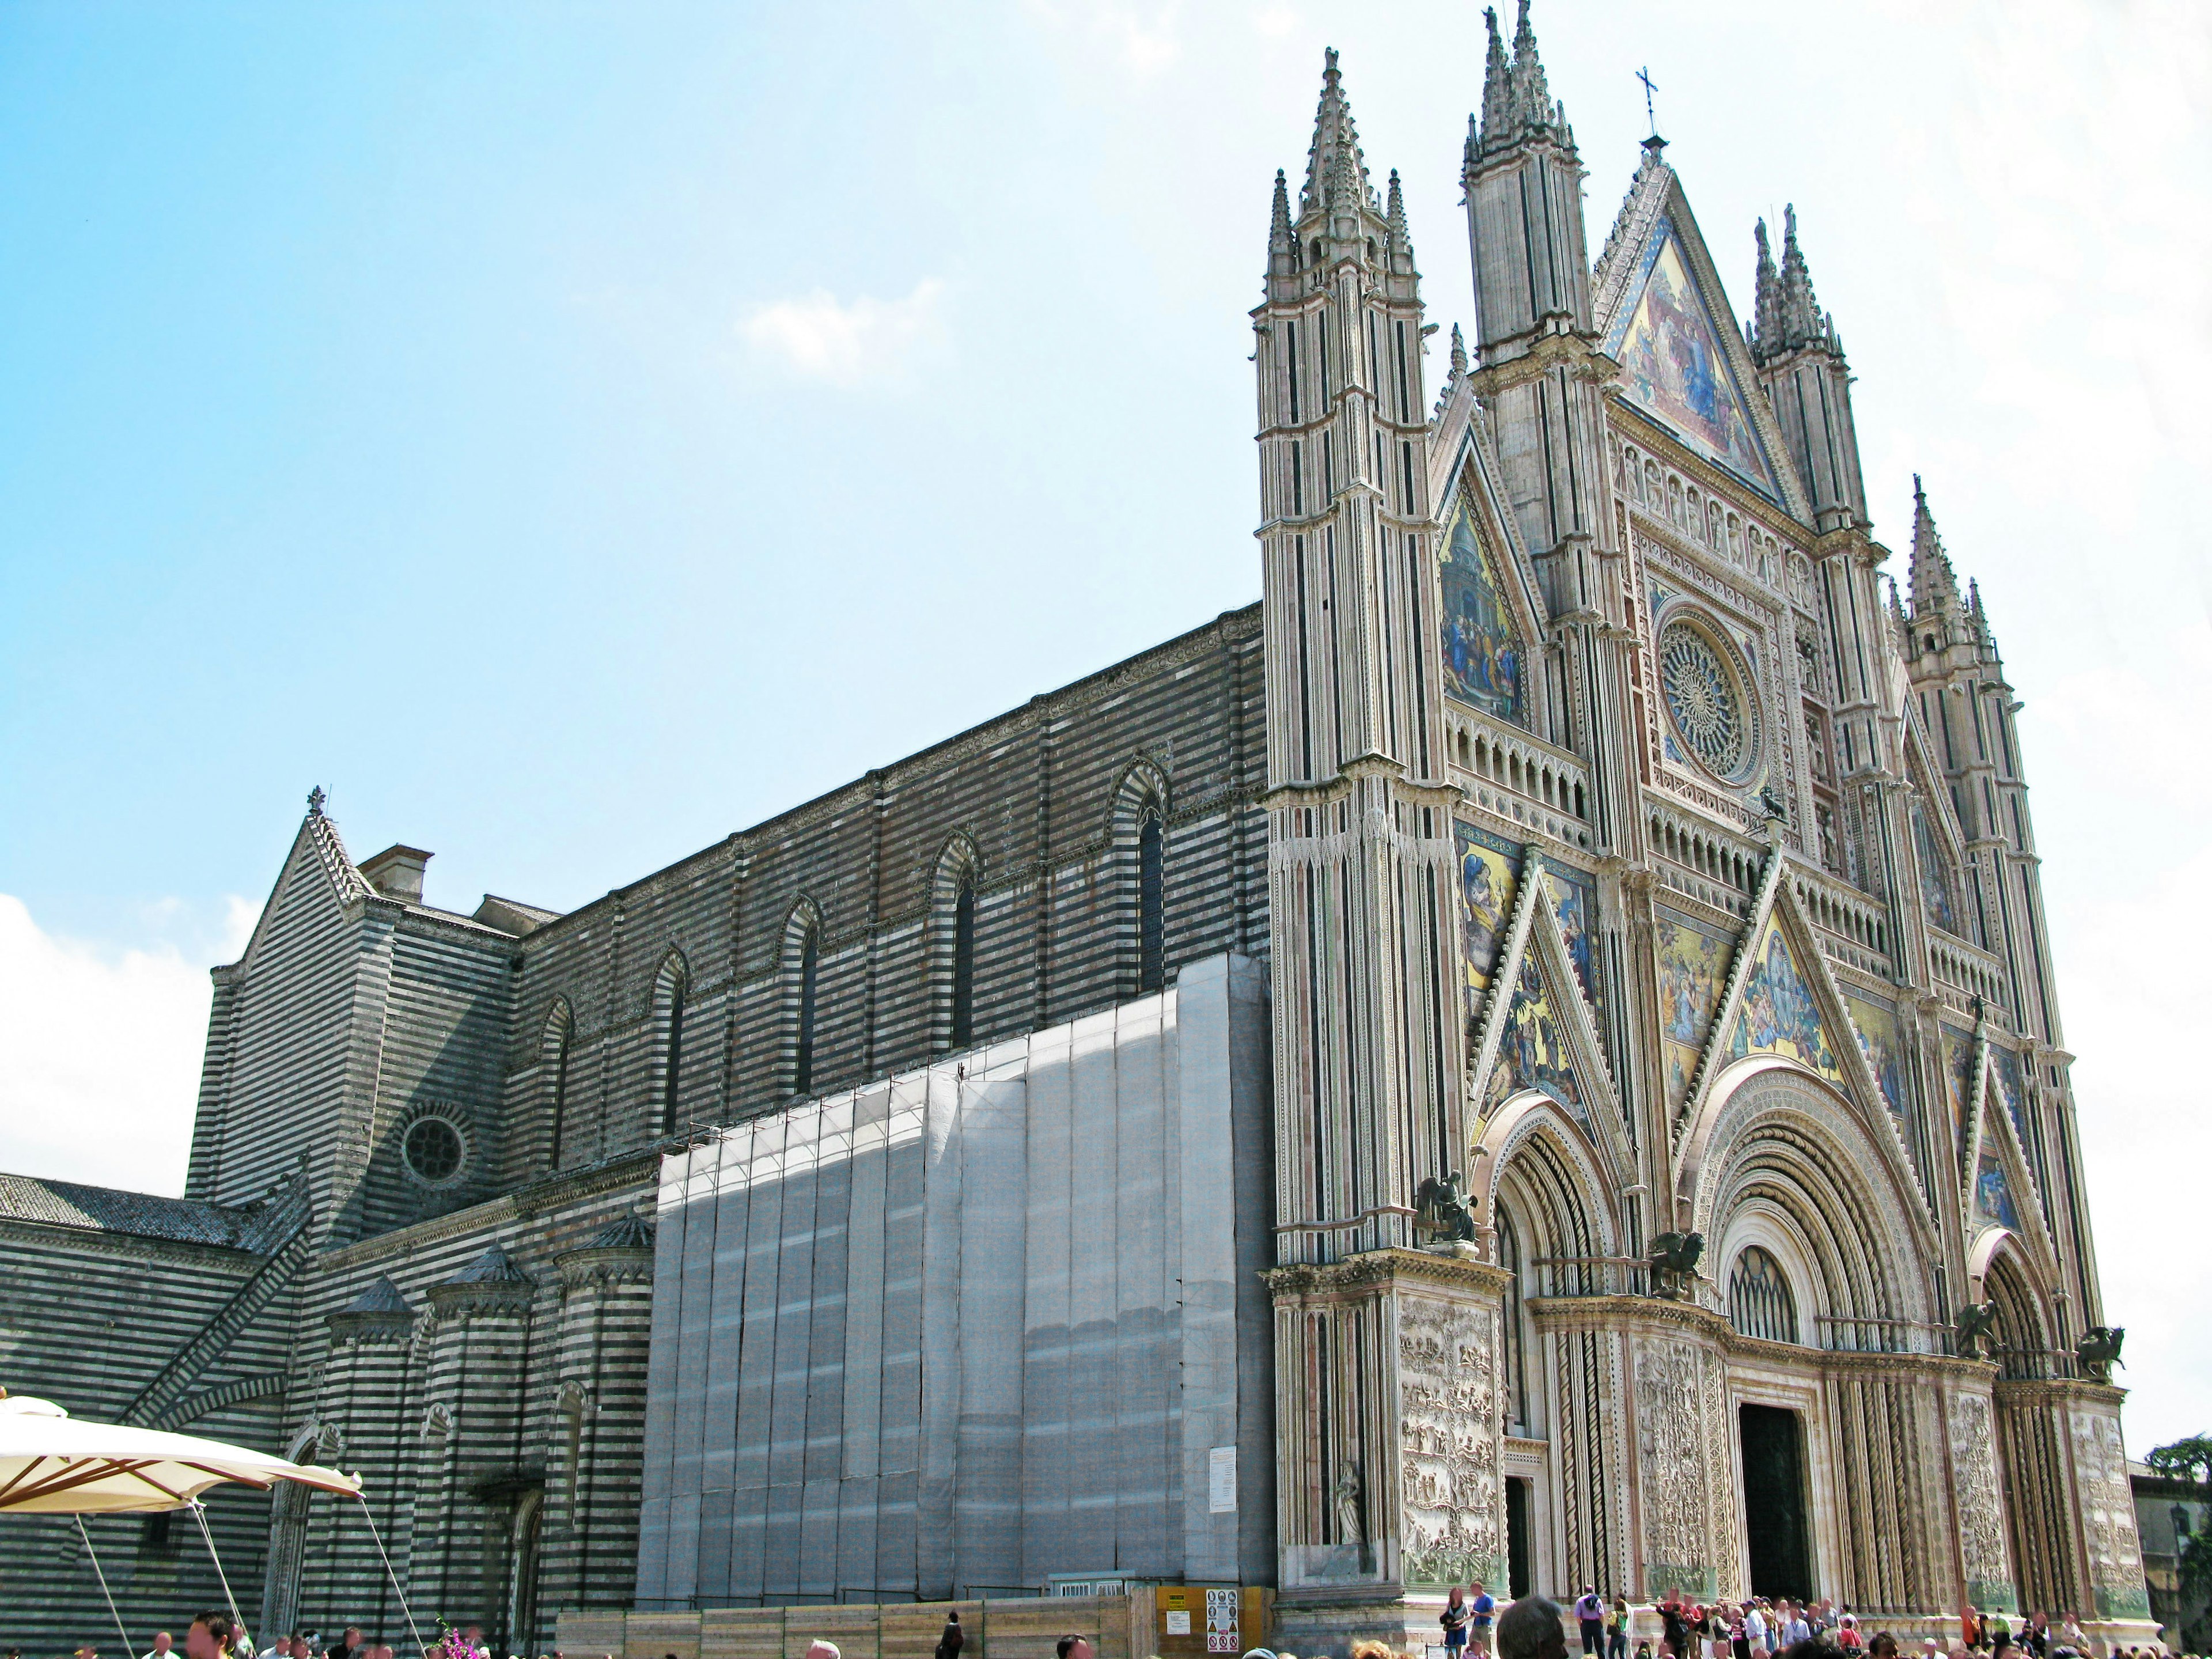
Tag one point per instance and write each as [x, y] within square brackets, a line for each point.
[1371, 1269]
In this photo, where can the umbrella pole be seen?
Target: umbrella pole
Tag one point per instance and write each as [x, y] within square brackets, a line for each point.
[99, 1573]
[366, 1515]
[237, 1619]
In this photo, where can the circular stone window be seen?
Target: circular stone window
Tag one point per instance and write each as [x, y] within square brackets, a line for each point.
[433, 1149]
[1703, 698]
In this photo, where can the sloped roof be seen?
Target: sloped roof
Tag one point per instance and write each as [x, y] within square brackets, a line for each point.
[494, 1267]
[139, 1215]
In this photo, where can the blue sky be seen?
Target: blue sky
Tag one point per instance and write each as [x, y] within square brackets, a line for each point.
[570, 434]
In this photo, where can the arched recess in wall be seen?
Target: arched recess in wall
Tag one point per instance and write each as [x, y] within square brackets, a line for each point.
[288, 1536]
[2026, 1333]
[802, 984]
[952, 922]
[555, 1044]
[671, 990]
[1780, 1159]
[1538, 1182]
[1137, 836]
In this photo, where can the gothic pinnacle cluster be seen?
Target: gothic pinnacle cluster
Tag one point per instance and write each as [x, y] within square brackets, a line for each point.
[1787, 316]
[1516, 99]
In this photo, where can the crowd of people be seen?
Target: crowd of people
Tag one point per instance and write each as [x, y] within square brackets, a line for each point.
[1475, 1626]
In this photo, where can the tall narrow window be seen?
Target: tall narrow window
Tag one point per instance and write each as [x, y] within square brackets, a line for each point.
[964, 962]
[1151, 902]
[672, 1073]
[810, 961]
[560, 1026]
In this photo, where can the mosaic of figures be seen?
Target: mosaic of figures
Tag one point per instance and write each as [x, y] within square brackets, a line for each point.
[1532, 1049]
[1874, 1024]
[1993, 1194]
[1574, 901]
[1672, 362]
[1959, 1079]
[1485, 663]
[1935, 873]
[1779, 1016]
[1488, 870]
[1693, 965]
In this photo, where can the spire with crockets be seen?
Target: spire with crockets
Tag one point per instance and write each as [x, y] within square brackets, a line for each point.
[1801, 363]
[1516, 98]
[1336, 171]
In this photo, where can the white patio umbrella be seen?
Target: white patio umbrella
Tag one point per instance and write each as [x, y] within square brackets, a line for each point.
[52, 1463]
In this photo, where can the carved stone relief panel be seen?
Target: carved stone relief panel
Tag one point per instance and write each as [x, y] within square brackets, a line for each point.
[1980, 1509]
[1448, 1428]
[1671, 1454]
[2108, 1518]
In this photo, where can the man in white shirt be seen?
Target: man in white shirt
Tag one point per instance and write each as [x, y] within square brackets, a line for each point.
[1796, 1630]
[162, 1643]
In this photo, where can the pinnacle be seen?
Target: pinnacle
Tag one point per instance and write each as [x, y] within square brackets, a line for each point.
[1801, 312]
[1458, 352]
[1516, 98]
[1788, 315]
[1401, 237]
[1767, 313]
[1335, 168]
[1278, 223]
[1934, 583]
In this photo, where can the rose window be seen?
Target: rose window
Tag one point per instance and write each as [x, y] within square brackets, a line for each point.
[1701, 695]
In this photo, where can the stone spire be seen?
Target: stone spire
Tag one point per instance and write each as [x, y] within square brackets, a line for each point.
[1401, 237]
[1766, 314]
[1458, 352]
[1532, 93]
[1801, 312]
[1336, 171]
[1934, 583]
[1496, 91]
[1787, 318]
[1278, 221]
[1516, 98]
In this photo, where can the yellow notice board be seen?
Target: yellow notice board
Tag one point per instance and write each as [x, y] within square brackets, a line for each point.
[1190, 1621]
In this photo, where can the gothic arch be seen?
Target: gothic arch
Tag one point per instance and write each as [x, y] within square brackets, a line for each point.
[954, 898]
[801, 969]
[1534, 1160]
[672, 991]
[1999, 1271]
[555, 1049]
[1779, 1158]
[1137, 842]
[1541, 1189]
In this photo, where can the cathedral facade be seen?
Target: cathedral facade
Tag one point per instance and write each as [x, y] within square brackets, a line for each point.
[1531, 1053]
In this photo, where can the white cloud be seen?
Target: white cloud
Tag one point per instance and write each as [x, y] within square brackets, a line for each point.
[99, 1051]
[820, 337]
[1143, 39]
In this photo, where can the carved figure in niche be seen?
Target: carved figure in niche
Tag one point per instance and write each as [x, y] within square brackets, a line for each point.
[1348, 1529]
[1977, 1327]
[2099, 1351]
[1444, 1211]
[1674, 1264]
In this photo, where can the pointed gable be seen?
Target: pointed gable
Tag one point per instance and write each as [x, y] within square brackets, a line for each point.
[1675, 362]
[1779, 1014]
